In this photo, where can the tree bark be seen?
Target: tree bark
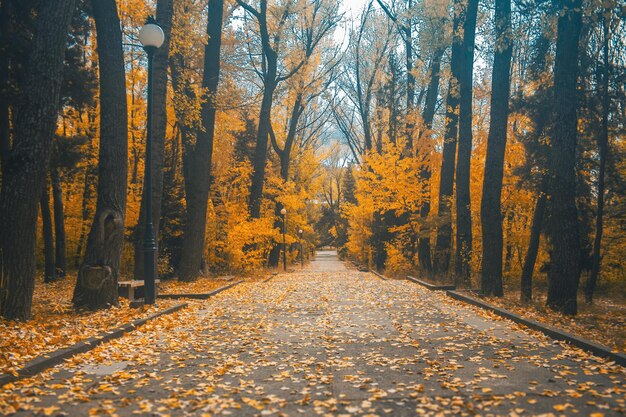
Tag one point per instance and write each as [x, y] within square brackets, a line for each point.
[603, 144]
[269, 85]
[285, 160]
[96, 286]
[165, 10]
[533, 245]
[200, 157]
[88, 194]
[59, 226]
[443, 247]
[25, 169]
[260, 150]
[410, 78]
[48, 238]
[5, 130]
[463, 172]
[491, 212]
[423, 245]
[541, 119]
[563, 230]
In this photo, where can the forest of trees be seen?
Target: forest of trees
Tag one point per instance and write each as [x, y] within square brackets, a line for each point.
[480, 143]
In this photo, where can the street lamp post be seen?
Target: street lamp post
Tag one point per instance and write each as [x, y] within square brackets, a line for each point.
[151, 37]
[284, 213]
[301, 249]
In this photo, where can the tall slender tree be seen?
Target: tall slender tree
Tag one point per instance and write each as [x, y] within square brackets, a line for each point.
[48, 236]
[563, 228]
[96, 286]
[540, 110]
[603, 145]
[443, 247]
[423, 245]
[202, 153]
[490, 209]
[273, 41]
[270, 80]
[25, 166]
[463, 173]
[60, 251]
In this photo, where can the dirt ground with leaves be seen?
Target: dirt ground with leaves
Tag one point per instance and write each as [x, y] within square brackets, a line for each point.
[604, 321]
[56, 324]
[326, 341]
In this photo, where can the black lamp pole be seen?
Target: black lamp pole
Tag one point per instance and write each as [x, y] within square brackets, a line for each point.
[284, 213]
[301, 250]
[149, 238]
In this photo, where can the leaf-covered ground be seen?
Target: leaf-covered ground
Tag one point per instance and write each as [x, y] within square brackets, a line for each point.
[56, 324]
[326, 341]
[603, 322]
[199, 286]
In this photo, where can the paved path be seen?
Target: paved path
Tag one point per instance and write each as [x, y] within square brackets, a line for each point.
[328, 341]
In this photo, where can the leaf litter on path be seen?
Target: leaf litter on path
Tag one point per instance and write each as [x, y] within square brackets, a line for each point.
[326, 343]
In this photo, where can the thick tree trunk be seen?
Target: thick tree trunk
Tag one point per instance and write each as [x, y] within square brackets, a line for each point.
[533, 244]
[48, 238]
[563, 232]
[443, 247]
[165, 10]
[25, 170]
[5, 142]
[5, 139]
[59, 226]
[200, 157]
[491, 212]
[463, 172]
[603, 144]
[96, 286]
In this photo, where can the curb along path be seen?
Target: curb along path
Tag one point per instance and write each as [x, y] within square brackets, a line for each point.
[56, 357]
[554, 333]
[51, 359]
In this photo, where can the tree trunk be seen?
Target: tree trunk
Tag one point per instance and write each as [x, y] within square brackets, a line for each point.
[423, 245]
[563, 233]
[491, 212]
[25, 170]
[165, 10]
[603, 143]
[463, 172]
[538, 67]
[533, 244]
[285, 160]
[48, 238]
[443, 247]
[88, 191]
[59, 226]
[269, 85]
[5, 129]
[96, 286]
[285, 155]
[200, 157]
[260, 150]
[410, 80]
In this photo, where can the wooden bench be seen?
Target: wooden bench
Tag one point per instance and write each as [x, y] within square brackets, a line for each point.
[131, 285]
